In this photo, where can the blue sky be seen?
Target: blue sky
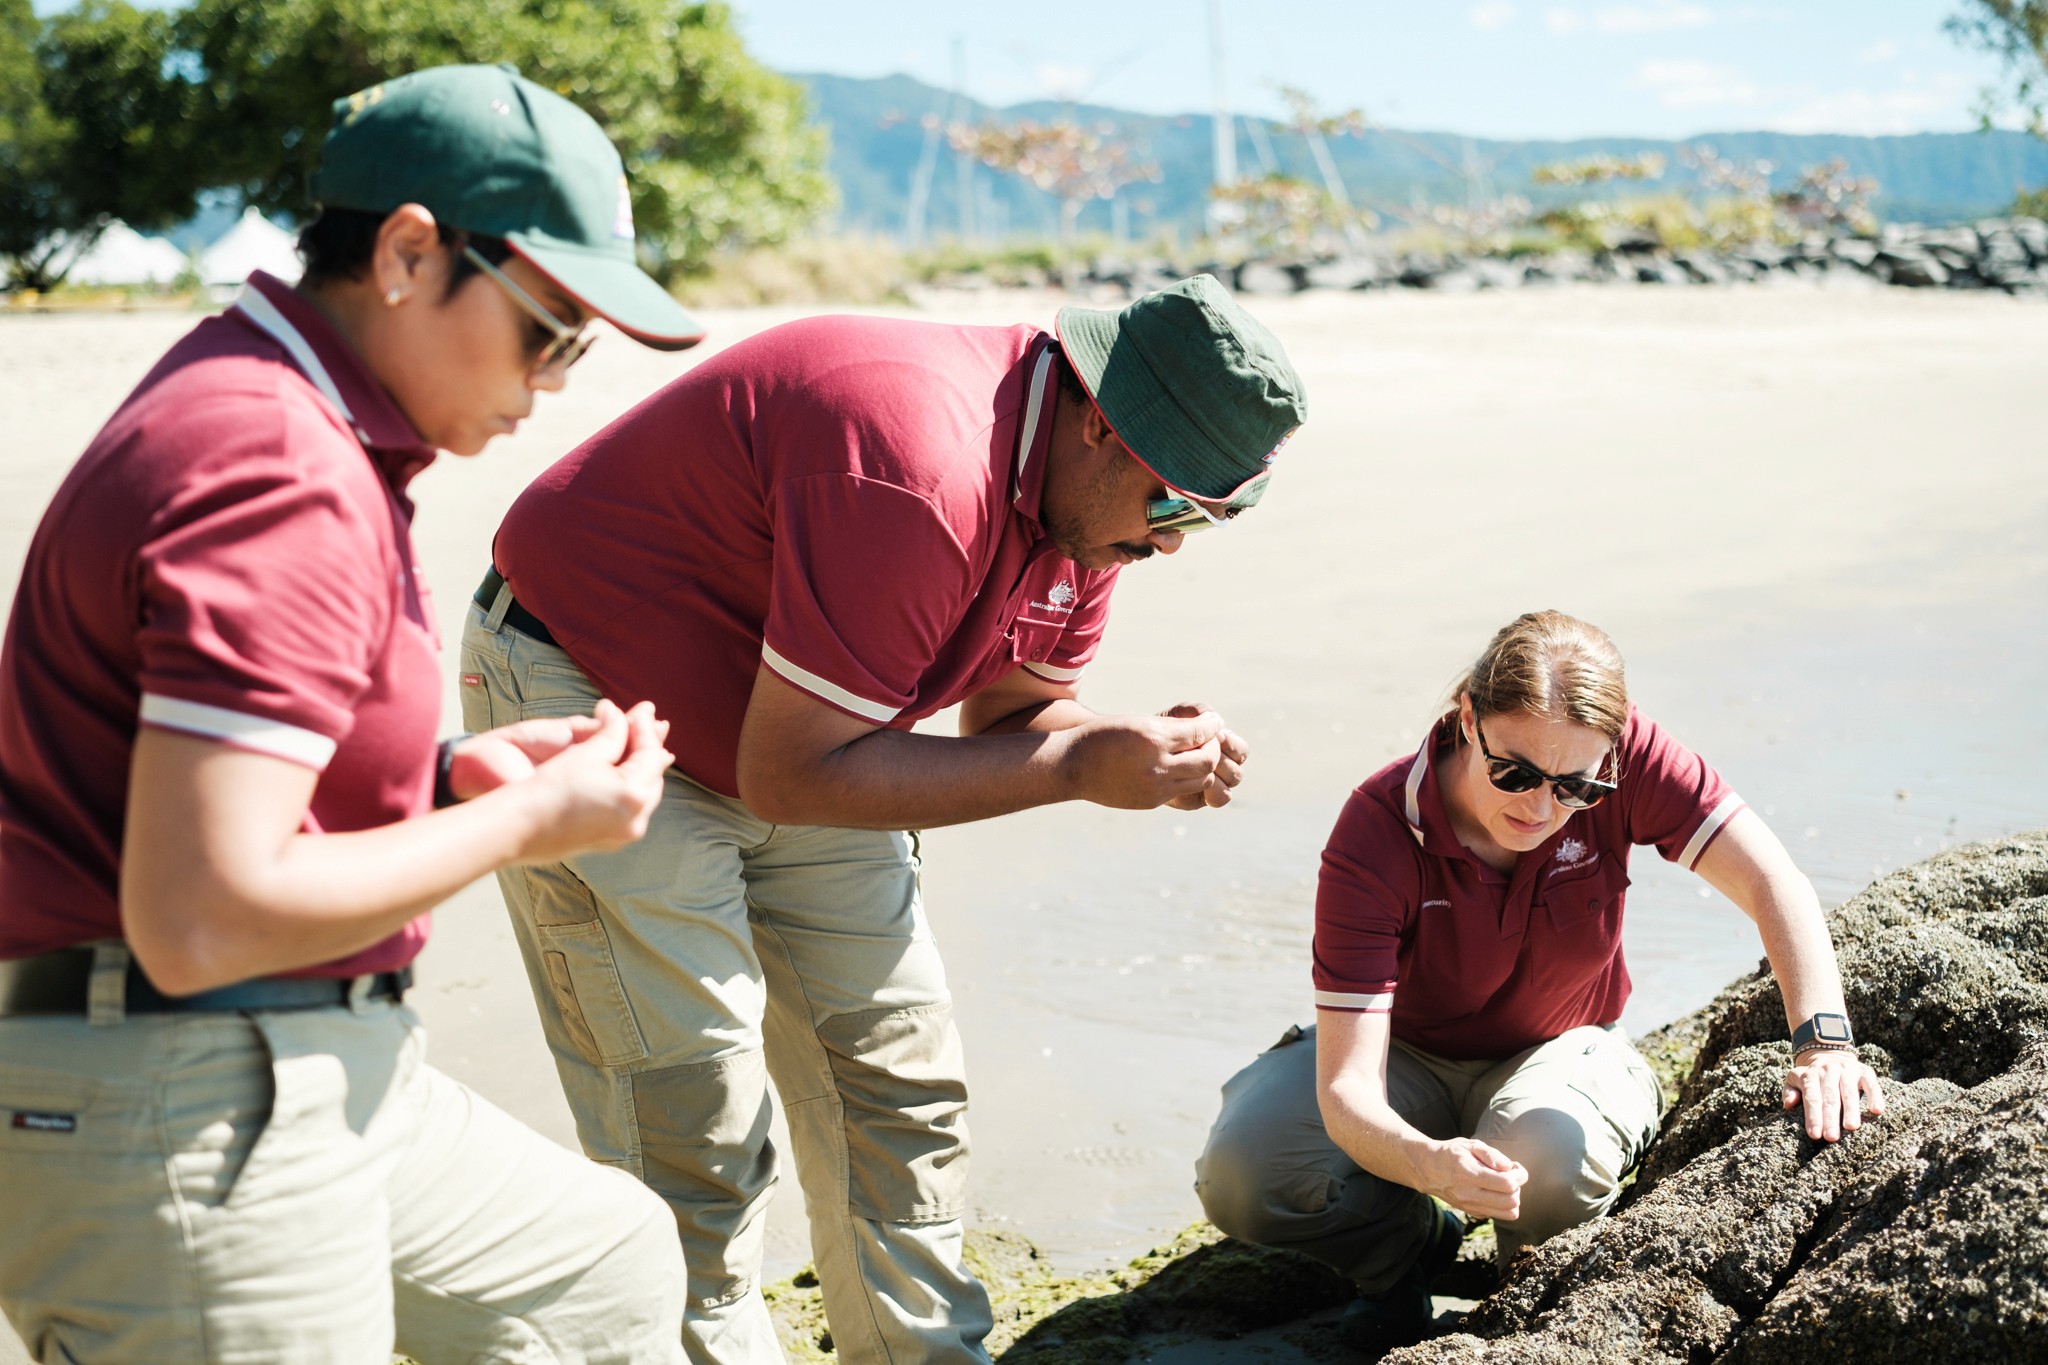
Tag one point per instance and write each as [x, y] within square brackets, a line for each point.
[1491, 68]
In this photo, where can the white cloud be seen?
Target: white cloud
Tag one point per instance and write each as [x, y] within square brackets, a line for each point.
[1910, 106]
[1564, 21]
[1882, 51]
[1495, 14]
[1064, 82]
[1655, 18]
[1698, 85]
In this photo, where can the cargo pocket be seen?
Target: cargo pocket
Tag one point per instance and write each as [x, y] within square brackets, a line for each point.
[588, 998]
[901, 1078]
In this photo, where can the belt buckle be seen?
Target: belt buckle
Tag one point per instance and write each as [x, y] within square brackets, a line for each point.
[359, 988]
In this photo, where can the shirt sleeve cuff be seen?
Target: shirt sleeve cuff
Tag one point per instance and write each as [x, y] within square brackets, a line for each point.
[1053, 672]
[1380, 1003]
[825, 690]
[1717, 820]
[258, 734]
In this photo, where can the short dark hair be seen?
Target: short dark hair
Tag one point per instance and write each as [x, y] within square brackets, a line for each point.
[338, 244]
[1070, 386]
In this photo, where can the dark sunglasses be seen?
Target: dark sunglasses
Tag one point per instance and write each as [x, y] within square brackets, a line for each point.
[1514, 777]
[565, 345]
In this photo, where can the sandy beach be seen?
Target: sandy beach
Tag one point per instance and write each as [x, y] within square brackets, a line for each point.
[1812, 519]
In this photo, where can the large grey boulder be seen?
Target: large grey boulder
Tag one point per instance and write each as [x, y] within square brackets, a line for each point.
[1347, 272]
[1910, 266]
[1269, 278]
[1921, 1239]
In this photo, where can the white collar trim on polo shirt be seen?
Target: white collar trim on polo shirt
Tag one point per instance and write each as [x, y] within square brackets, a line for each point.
[1415, 771]
[265, 315]
[1034, 408]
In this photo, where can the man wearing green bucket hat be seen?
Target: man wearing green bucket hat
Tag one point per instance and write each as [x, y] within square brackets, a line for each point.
[221, 822]
[814, 539]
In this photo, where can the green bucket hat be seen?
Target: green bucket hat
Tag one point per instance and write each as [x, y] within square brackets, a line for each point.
[486, 150]
[1200, 392]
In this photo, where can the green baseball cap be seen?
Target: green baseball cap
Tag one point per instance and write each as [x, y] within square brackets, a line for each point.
[486, 150]
[1200, 392]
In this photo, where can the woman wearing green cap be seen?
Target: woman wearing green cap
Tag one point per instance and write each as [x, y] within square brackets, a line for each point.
[219, 799]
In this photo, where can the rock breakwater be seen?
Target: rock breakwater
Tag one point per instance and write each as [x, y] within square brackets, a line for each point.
[2008, 255]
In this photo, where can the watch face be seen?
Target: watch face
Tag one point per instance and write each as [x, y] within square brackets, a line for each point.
[1831, 1028]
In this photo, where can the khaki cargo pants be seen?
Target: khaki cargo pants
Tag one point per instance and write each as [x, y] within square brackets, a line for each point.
[676, 975]
[1578, 1112]
[300, 1186]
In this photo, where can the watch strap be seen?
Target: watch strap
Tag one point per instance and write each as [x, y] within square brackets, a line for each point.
[444, 765]
[1823, 1031]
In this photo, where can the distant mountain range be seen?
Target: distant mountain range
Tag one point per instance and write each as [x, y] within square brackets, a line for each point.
[879, 139]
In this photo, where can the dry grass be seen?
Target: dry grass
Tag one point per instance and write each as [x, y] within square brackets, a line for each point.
[811, 270]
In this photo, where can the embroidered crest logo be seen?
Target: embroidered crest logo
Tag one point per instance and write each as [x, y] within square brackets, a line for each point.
[1061, 593]
[1573, 853]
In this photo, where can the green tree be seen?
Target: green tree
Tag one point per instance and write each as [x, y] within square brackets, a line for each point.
[2017, 32]
[30, 140]
[718, 149]
[92, 128]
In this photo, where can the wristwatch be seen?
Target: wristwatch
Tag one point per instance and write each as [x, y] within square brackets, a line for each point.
[1823, 1033]
[444, 768]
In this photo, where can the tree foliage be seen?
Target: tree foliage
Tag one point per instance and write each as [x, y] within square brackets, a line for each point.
[1072, 163]
[153, 107]
[717, 147]
[1285, 215]
[92, 127]
[2017, 32]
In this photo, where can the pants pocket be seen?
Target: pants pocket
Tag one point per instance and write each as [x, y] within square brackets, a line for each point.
[586, 993]
[554, 689]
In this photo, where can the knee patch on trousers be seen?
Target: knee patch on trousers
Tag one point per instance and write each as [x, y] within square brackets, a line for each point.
[902, 1087]
[704, 1148]
[1255, 1203]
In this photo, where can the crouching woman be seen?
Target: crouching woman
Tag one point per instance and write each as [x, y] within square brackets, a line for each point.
[1469, 976]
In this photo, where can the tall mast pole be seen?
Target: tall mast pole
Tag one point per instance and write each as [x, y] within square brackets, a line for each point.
[963, 162]
[1225, 129]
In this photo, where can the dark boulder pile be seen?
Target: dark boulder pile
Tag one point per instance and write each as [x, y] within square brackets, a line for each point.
[2005, 255]
[1922, 1238]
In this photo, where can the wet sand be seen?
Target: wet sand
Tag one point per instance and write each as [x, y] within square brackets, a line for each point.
[1812, 520]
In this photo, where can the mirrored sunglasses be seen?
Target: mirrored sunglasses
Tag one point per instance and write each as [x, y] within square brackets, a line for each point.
[1186, 516]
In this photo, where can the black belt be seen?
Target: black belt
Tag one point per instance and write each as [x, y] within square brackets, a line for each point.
[525, 621]
[57, 983]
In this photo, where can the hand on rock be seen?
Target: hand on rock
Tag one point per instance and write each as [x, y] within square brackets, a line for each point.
[1835, 1089]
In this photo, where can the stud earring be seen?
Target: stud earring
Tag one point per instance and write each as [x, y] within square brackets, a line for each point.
[393, 295]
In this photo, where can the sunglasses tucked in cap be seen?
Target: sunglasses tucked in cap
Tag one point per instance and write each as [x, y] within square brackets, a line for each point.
[485, 150]
[1199, 391]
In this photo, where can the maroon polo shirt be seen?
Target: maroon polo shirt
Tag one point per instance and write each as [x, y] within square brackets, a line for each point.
[851, 501]
[230, 558]
[1487, 963]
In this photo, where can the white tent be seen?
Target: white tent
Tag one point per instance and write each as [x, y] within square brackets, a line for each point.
[124, 256]
[253, 243]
